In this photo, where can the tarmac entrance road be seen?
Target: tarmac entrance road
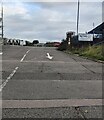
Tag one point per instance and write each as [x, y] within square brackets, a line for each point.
[33, 86]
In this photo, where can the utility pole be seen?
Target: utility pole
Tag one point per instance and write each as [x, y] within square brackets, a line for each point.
[93, 32]
[78, 17]
[1, 22]
[78, 23]
[2, 26]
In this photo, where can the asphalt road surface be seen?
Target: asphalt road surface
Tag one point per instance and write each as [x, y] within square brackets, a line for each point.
[34, 86]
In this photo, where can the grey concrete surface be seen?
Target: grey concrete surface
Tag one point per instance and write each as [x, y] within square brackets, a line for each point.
[46, 89]
[65, 112]
[64, 77]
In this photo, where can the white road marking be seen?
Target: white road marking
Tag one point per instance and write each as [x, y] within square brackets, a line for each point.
[27, 51]
[13, 72]
[49, 57]
[24, 56]
[8, 78]
[58, 80]
[1, 53]
[51, 103]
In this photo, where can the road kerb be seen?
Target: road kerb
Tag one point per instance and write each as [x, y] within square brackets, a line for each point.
[50, 103]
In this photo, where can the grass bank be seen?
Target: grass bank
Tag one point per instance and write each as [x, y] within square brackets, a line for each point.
[94, 52]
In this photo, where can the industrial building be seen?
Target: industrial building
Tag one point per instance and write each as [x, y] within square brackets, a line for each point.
[93, 37]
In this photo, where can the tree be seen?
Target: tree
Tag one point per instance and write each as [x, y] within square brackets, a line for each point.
[28, 43]
[35, 42]
[63, 45]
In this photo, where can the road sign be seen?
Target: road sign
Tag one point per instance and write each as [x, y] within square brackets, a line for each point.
[85, 37]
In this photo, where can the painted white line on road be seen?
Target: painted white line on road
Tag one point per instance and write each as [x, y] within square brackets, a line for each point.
[28, 51]
[24, 56]
[50, 103]
[49, 57]
[58, 80]
[8, 78]
[1, 53]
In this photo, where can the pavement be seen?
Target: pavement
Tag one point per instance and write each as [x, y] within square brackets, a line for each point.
[34, 86]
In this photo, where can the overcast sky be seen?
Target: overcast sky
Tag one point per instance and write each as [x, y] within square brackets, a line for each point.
[48, 21]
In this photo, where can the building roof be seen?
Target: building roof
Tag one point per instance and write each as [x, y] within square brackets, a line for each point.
[98, 30]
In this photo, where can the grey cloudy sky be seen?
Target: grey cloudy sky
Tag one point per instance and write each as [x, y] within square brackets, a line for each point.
[48, 21]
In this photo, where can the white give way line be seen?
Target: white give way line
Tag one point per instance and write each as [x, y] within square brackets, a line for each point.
[48, 56]
[8, 78]
[24, 56]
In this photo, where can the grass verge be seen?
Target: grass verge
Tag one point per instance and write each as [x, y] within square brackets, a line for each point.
[94, 52]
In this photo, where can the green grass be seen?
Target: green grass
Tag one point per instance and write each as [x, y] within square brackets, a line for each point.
[95, 52]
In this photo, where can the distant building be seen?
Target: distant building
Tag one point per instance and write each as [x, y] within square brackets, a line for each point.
[40, 45]
[81, 40]
[8, 41]
[95, 36]
[52, 44]
[98, 34]
[98, 30]
[56, 44]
